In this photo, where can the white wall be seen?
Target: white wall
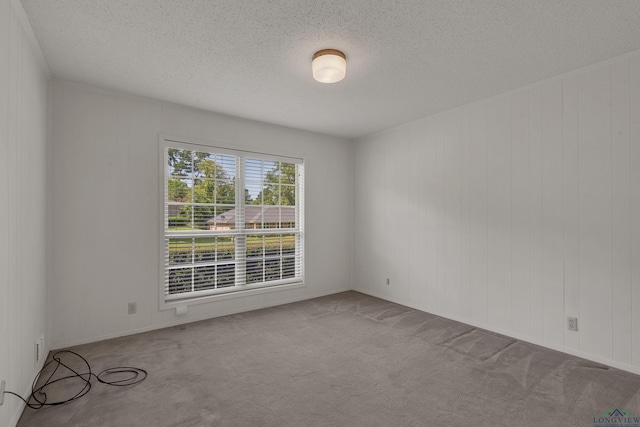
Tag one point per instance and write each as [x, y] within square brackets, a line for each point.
[513, 213]
[23, 213]
[106, 210]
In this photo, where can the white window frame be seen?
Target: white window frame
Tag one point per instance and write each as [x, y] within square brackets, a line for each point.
[166, 301]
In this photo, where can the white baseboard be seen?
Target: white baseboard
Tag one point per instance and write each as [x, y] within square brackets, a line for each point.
[196, 319]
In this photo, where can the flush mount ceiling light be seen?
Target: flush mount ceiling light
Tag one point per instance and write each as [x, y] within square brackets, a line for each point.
[329, 66]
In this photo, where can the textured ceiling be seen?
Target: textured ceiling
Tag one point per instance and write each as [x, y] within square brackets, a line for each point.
[252, 58]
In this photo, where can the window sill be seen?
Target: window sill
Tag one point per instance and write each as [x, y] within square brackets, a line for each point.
[249, 291]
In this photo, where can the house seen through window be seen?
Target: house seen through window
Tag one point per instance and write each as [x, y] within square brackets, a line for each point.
[232, 220]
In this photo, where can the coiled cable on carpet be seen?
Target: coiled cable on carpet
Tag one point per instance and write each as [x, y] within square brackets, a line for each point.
[39, 395]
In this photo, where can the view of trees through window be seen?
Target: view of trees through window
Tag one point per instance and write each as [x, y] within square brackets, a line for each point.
[208, 243]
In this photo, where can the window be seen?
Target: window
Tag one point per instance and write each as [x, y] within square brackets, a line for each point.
[233, 220]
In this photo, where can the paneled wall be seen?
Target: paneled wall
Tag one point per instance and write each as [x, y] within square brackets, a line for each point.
[23, 211]
[513, 213]
[105, 202]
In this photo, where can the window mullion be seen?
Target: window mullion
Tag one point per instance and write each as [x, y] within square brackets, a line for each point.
[193, 194]
[240, 239]
[193, 261]
[299, 246]
[281, 264]
[193, 220]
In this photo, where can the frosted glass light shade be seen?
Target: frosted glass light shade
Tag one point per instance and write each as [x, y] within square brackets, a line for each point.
[329, 66]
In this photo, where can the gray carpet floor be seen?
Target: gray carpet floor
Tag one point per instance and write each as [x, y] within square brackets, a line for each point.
[342, 360]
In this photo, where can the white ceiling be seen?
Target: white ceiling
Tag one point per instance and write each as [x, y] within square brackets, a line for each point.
[252, 58]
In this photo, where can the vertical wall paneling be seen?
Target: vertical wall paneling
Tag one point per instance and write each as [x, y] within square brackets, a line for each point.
[5, 162]
[388, 242]
[520, 215]
[57, 261]
[75, 119]
[399, 213]
[417, 237]
[634, 117]
[364, 225]
[552, 213]
[465, 273]
[31, 170]
[380, 270]
[433, 303]
[531, 211]
[453, 215]
[478, 212]
[392, 209]
[621, 211]
[109, 157]
[15, 99]
[440, 209]
[594, 110]
[143, 119]
[499, 213]
[570, 223]
[536, 294]
[23, 208]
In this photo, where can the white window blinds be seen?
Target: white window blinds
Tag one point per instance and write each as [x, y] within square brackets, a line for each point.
[233, 220]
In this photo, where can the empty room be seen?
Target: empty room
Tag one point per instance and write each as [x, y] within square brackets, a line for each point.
[330, 213]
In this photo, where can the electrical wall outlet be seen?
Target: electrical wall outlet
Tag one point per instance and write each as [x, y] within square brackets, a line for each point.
[38, 350]
[572, 324]
[133, 308]
[2, 384]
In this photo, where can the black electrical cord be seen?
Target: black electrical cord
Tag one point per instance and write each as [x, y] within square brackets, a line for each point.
[136, 376]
